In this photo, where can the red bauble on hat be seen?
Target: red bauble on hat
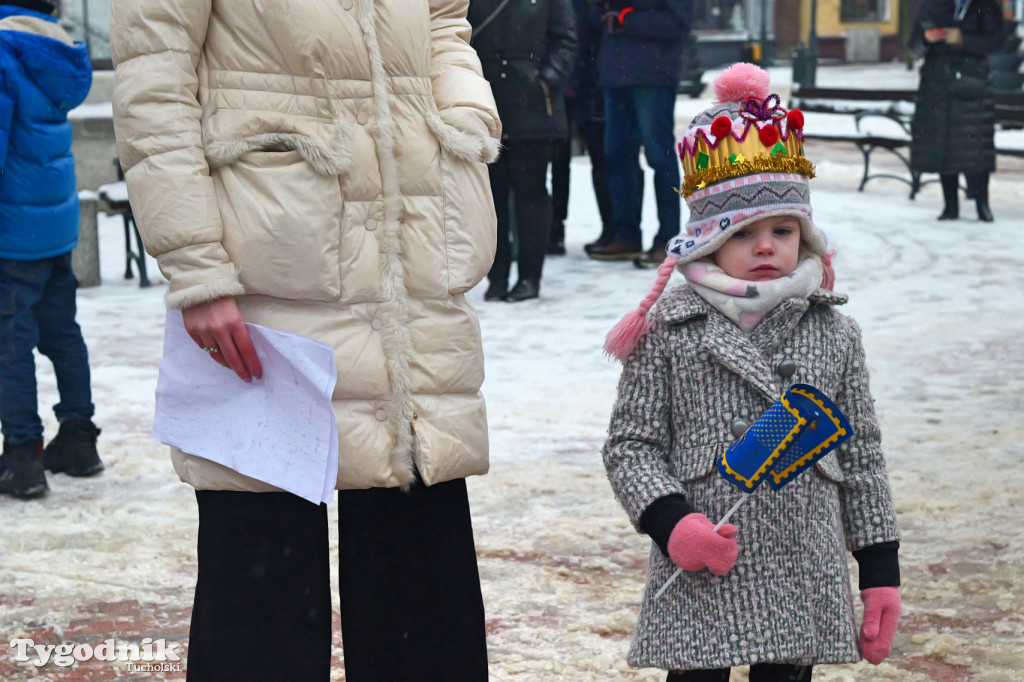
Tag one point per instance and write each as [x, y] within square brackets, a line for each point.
[768, 135]
[721, 126]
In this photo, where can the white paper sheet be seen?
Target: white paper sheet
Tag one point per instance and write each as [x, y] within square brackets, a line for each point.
[280, 429]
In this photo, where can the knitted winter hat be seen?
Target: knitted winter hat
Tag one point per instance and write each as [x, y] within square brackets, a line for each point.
[743, 161]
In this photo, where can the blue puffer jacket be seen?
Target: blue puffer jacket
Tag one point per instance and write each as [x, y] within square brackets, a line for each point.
[648, 50]
[41, 79]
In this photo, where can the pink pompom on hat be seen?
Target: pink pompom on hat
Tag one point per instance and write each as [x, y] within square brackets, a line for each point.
[743, 161]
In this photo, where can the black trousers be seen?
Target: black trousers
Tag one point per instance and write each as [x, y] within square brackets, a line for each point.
[411, 607]
[522, 170]
[759, 672]
[592, 133]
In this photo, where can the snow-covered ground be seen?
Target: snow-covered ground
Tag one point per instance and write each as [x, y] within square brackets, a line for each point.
[940, 306]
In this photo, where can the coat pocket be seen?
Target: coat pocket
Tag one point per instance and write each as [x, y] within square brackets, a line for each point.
[282, 225]
[470, 225]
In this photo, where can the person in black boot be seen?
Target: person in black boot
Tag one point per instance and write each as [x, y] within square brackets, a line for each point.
[527, 51]
[21, 470]
[585, 106]
[953, 125]
[73, 451]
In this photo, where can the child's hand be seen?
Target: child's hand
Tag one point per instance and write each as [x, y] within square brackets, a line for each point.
[694, 545]
[881, 614]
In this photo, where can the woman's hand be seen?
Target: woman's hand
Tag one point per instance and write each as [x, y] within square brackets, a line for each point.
[935, 35]
[217, 327]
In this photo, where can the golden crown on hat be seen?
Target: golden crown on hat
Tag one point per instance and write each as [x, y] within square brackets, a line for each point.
[747, 131]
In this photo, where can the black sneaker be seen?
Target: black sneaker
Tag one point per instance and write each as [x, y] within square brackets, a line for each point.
[21, 470]
[73, 451]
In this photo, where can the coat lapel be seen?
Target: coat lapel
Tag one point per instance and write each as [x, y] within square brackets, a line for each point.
[733, 349]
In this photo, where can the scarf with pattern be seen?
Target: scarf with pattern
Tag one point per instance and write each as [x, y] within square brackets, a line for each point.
[746, 302]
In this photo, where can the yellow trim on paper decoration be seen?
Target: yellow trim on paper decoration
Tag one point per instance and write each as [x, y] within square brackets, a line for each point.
[800, 421]
[840, 431]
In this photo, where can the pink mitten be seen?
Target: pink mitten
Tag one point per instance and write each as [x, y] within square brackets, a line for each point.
[881, 614]
[694, 545]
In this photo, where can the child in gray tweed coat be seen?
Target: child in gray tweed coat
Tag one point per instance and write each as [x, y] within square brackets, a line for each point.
[757, 314]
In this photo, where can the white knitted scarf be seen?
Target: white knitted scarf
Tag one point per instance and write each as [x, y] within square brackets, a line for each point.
[746, 302]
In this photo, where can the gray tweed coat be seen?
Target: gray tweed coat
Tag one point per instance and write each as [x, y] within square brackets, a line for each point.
[788, 596]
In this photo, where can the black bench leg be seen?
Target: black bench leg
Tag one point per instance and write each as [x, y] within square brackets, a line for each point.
[866, 151]
[915, 183]
[128, 274]
[141, 256]
[138, 255]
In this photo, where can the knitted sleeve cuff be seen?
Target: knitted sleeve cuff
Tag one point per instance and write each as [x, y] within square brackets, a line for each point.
[879, 565]
[661, 517]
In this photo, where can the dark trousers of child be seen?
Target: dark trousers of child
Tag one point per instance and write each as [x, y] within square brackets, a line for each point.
[522, 169]
[37, 310]
[411, 606]
[759, 672]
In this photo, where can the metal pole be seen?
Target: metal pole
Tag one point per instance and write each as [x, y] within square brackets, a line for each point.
[764, 33]
[85, 28]
[812, 46]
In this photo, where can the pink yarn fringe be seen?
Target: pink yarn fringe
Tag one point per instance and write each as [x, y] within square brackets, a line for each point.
[624, 336]
[828, 276]
[740, 82]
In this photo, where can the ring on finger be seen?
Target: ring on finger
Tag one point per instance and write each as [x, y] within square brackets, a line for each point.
[211, 349]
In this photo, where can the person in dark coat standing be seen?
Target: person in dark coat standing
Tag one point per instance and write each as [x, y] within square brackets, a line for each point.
[638, 66]
[954, 119]
[527, 48]
[585, 107]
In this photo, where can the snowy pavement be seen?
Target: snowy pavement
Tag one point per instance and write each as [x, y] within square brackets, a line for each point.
[940, 306]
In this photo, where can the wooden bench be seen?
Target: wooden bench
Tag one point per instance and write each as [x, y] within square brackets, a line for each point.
[893, 111]
[114, 200]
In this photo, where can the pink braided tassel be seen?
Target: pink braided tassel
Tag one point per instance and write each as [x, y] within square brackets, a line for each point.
[828, 275]
[624, 336]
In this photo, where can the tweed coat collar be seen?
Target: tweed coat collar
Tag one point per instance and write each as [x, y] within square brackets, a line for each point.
[745, 354]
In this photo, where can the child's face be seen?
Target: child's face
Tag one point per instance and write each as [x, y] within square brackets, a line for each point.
[763, 250]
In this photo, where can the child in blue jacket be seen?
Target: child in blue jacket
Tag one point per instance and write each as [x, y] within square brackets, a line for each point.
[43, 75]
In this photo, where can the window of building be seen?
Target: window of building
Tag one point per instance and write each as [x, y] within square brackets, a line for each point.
[720, 15]
[863, 10]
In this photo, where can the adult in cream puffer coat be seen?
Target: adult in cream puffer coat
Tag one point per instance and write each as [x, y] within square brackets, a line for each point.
[319, 167]
[331, 181]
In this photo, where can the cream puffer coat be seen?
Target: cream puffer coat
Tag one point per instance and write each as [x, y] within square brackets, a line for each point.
[324, 163]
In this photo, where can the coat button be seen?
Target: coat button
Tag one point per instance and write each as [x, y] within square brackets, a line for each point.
[786, 369]
[347, 4]
[382, 415]
[738, 427]
[504, 62]
[377, 323]
[370, 224]
[504, 76]
[362, 117]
